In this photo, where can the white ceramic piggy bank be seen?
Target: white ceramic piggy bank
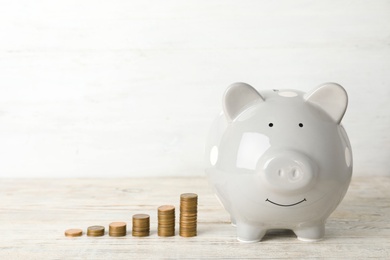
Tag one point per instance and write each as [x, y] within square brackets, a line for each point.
[280, 159]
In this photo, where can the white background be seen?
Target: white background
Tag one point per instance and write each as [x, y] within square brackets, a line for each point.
[125, 88]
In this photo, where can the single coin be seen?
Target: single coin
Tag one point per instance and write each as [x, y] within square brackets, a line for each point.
[141, 229]
[118, 225]
[117, 234]
[73, 232]
[188, 196]
[172, 224]
[141, 216]
[96, 228]
[165, 208]
[166, 220]
[188, 235]
[168, 234]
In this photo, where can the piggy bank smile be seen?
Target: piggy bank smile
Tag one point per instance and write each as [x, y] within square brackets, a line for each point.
[285, 205]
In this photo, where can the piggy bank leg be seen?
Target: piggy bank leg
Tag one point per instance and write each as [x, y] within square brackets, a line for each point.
[310, 232]
[233, 221]
[249, 233]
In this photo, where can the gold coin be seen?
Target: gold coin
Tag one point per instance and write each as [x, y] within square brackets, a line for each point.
[117, 229]
[141, 221]
[96, 228]
[73, 232]
[188, 216]
[188, 206]
[117, 234]
[141, 224]
[168, 234]
[140, 234]
[166, 224]
[188, 221]
[166, 213]
[188, 228]
[188, 196]
[166, 208]
[141, 228]
[141, 216]
[117, 225]
[166, 219]
[189, 202]
[95, 231]
[188, 234]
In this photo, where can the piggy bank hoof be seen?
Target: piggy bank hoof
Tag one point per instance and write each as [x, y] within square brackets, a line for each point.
[233, 222]
[243, 240]
[311, 233]
[249, 234]
[309, 239]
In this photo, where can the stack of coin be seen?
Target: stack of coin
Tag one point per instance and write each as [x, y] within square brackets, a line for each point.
[141, 225]
[95, 231]
[166, 221]
[73, 232]
[188, 214]
[117, 229]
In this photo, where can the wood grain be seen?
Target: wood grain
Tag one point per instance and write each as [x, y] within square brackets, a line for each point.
[34, 213]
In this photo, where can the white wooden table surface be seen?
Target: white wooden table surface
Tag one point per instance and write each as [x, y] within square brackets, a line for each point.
[34, 213]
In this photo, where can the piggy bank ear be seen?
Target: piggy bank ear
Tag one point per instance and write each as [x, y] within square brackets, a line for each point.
[239, 96]
[331, 97]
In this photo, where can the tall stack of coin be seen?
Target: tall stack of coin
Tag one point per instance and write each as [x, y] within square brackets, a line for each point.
[166, 221]
[188, 214]
[117, 229]
[141, 225]
[95, 231]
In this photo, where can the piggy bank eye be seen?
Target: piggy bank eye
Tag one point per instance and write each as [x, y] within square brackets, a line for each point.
[300, 125]
[270, 125]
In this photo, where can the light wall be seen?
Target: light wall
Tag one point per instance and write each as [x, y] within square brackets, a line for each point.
[127, 88]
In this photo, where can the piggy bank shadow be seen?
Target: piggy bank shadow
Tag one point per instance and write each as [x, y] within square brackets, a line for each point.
[278, 234]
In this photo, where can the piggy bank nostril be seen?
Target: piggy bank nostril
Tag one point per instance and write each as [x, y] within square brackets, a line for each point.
[296, 174]
[280, 173]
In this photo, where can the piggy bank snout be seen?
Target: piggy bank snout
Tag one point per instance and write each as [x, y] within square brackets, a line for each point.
[289, 171]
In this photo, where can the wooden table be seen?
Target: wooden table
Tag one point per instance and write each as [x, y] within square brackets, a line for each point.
[34, 213]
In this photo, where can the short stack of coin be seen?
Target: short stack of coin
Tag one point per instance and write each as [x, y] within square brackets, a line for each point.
[95, 231]
[117, 229]
[166, 221]
[141, 225]
[188, 214]
[73, 232]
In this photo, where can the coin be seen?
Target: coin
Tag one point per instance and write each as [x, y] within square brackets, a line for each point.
[166, 209]
[117, 229]
[188, 214]
[141, 225]
[95, 231]
[73, 232]
[166, 221]
[141, 217]
[188, 196]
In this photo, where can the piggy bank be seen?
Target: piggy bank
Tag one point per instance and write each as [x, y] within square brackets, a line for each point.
[280, 159]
